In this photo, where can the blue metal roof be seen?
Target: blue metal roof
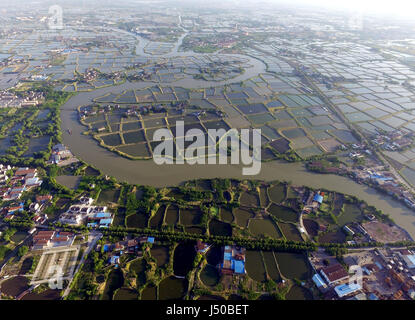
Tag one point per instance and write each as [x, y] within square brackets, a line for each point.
[114, 259]
[379, 265]
[318, 198]
[103, 215]
[238, 266]
[150, 239]
[411, 258]
[227, 256]
[105, 221]
[366, 270]
[319, 281]
[345, 289]
[373, 296]
[383, 178]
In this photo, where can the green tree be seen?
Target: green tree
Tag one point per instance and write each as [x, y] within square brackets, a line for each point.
[22, 251]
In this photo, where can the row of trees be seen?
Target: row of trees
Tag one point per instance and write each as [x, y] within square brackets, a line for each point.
[173, 236]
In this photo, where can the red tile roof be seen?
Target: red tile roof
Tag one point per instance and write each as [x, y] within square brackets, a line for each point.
[64, 233]
[43, 235]
[43, 198]
[41, 242]
[24, 171]
[60, 239]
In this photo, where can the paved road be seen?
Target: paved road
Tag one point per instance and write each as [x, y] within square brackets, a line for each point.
[93, 238]
[302, 226]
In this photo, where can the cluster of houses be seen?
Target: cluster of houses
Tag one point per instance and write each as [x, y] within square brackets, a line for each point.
[142, 75]
[85, 212]
[38, 207]
[312, 201]
[359, 150]
[135, 110]
[89, 111]
[52, 239]
[10, 100]
[24, 179]
[4, 169]
[127, 246]
[379, 176]
[385, 181]
[233, 262]
[38, 77]
[89, 75]
[59, 153]
[221, 41]
[12, 61]
[12, 187]
[9, 212]
[393, 141]
[150, 32]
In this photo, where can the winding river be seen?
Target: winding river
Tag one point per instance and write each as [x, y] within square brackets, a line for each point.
[148, 173]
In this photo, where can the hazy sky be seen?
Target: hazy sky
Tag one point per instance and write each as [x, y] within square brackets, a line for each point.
[405, 8]
[394, 7]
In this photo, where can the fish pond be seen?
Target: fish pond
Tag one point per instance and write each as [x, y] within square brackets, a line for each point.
[172, 288]
[283, 213]
[184, 255]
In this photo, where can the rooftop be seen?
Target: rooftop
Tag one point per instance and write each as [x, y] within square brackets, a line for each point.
[335, 272]
[346, 289]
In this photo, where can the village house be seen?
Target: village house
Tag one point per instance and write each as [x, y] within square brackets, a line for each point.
[30, 99]
[13, 209]
[127, 246]
[43, 199]
[233, 260]
[52, 239]
[201, 247]
[23, 180]
[3, 173]
[59, 153]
